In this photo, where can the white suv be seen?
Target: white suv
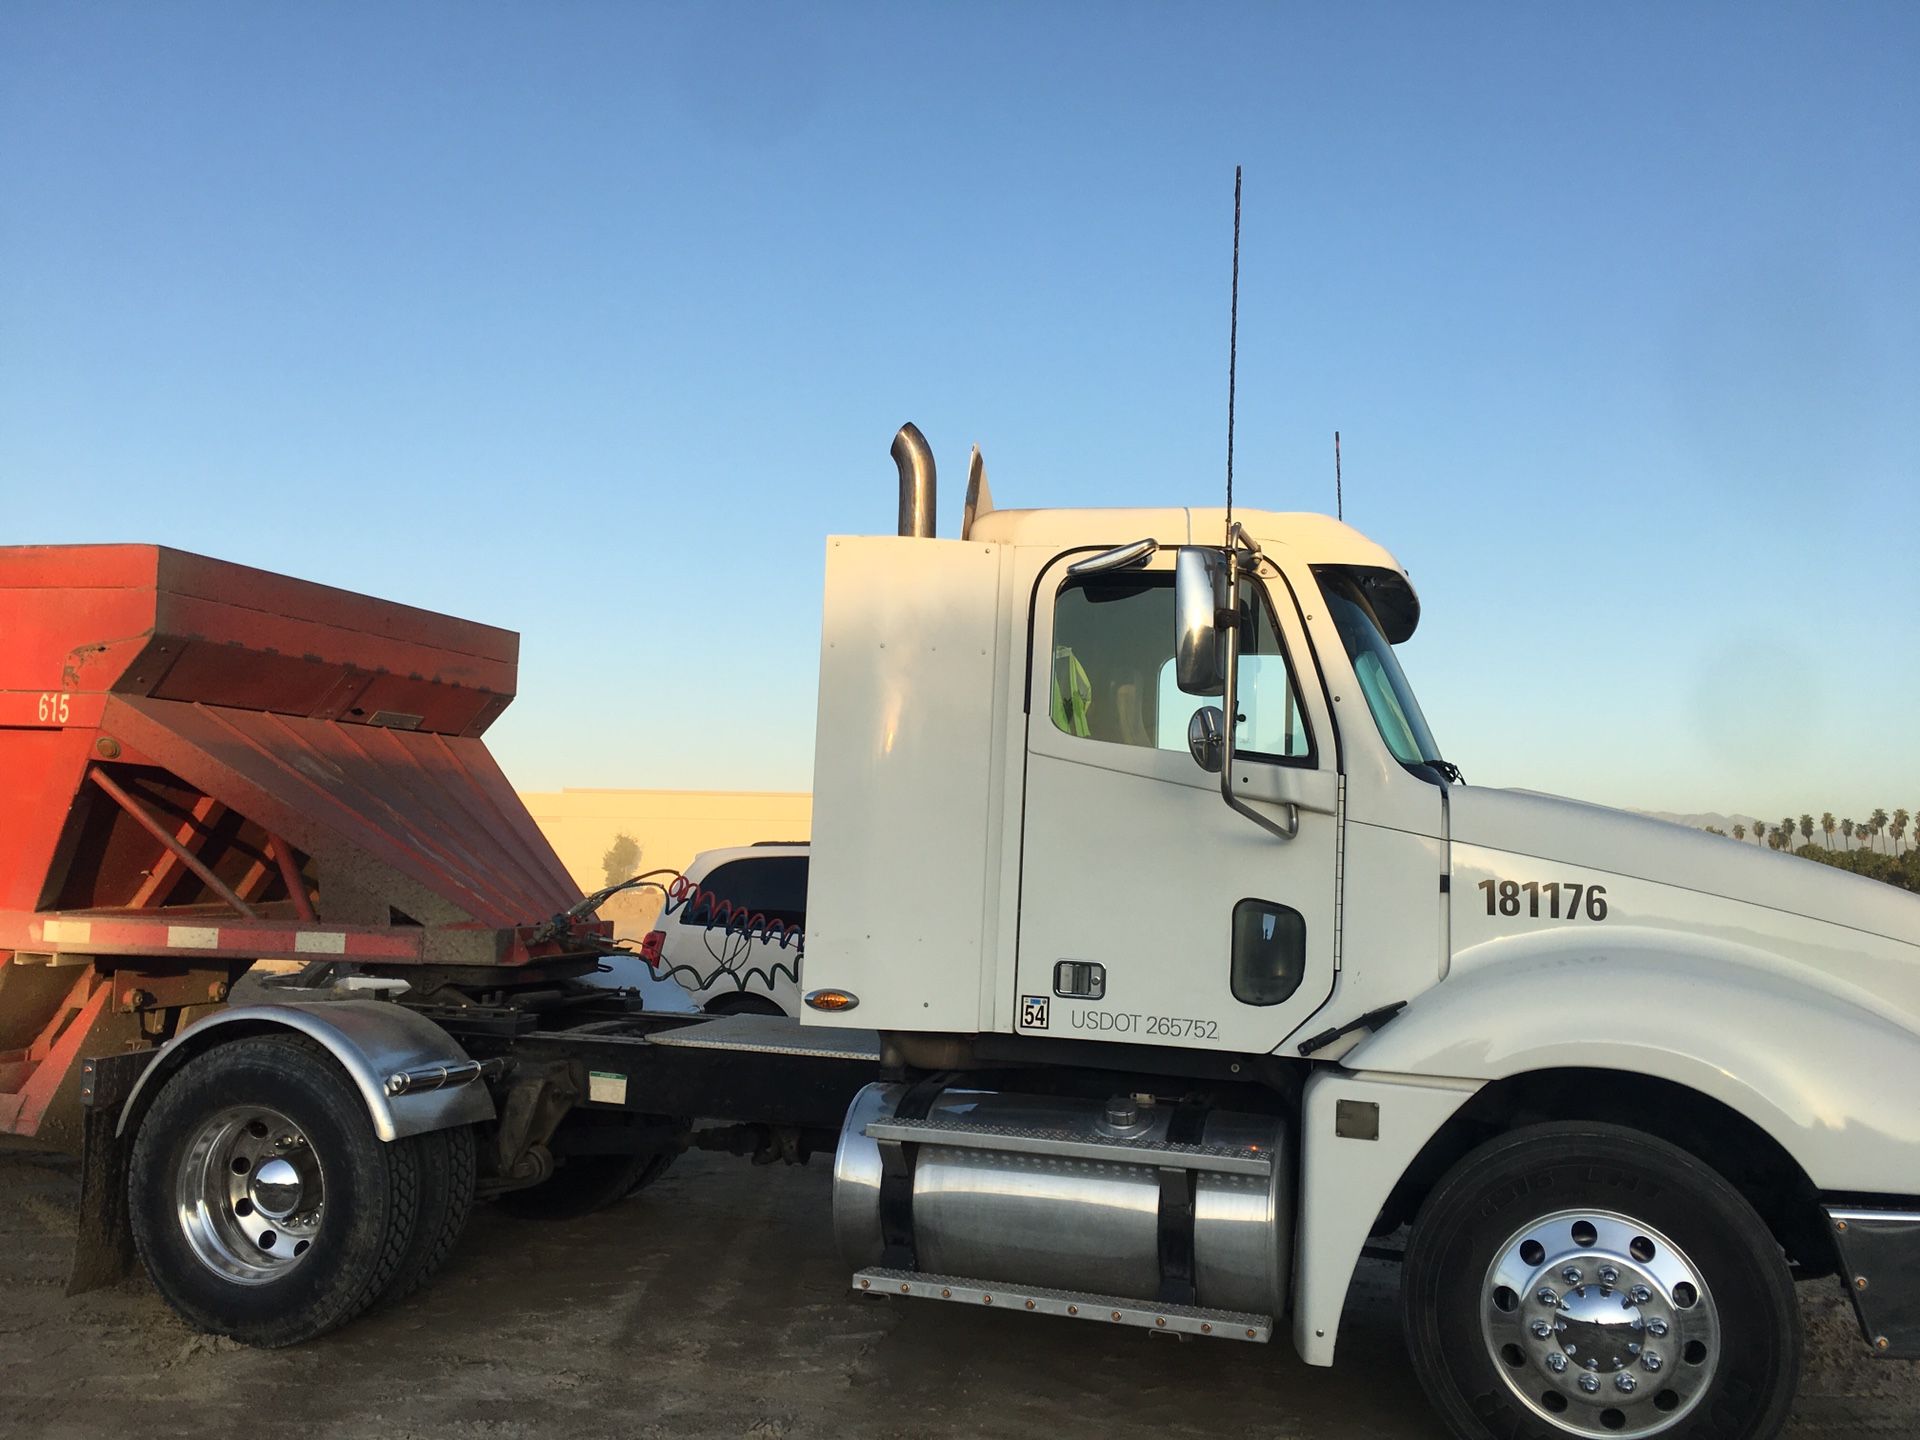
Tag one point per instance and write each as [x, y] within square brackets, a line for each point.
[731, 934]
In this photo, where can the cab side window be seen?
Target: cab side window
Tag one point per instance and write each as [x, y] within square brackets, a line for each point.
[1112, 672]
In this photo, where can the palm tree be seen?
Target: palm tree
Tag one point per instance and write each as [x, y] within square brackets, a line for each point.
[1739, 832]
[1759, 831]
[1827, 825]
[1899, 828]
[1878, 820]
[1786, 834]
[1806, 828]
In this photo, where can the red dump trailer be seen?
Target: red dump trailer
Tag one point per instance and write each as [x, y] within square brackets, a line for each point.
[206, 766]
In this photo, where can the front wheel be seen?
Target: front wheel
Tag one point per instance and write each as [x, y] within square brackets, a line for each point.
[1587, 1280]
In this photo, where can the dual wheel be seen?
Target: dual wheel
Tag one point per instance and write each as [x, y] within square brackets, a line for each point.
[1587, 1280]
[265, 1208]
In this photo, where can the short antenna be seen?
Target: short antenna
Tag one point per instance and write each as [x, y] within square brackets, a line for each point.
[1339, 501]
[1233, 347]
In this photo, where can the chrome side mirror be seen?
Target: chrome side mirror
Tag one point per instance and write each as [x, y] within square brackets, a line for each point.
[1199, 645]
[1206, 738]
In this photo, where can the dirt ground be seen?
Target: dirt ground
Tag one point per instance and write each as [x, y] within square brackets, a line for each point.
[713, 1304]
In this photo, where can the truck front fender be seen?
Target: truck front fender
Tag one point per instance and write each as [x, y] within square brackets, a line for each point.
[1826, 1077]
[370, 1039]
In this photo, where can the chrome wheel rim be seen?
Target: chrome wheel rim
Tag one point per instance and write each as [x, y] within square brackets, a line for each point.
[250, 1195]
[1600, 1325]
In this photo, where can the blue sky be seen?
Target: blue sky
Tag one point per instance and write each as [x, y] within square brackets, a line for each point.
[593, 320]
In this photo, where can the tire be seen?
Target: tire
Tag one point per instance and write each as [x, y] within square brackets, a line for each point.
[447, 1172]
[584, 1184]
[1493, 1254]
[262, 1203]
[744, 1003]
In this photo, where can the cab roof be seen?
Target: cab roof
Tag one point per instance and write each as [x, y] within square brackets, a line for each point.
[1316, 540]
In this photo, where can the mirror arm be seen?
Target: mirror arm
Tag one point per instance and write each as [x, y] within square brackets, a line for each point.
[1232, 707]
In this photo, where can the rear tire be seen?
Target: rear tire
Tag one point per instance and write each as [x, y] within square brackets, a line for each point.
[1588, 1280]
[584, 1184]
[447, 1174]
[744, 1003]
[262, 1203]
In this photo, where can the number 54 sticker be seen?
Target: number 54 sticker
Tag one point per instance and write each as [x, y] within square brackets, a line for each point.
[54, 708]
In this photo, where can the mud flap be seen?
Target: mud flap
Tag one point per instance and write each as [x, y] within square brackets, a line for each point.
[102, 1238]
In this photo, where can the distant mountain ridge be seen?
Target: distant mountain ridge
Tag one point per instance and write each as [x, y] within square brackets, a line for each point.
[1701, 819]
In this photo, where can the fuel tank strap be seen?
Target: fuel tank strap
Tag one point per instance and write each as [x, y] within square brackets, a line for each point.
[1176, 1235]
[896, 1177]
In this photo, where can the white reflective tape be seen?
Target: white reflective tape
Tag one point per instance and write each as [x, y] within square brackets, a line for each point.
[66, 932]
[320, 942]
[193, 937]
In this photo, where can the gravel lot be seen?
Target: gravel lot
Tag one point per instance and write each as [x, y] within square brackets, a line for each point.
[713, 1305]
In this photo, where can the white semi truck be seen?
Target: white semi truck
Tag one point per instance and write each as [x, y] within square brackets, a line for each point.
[1158, 966]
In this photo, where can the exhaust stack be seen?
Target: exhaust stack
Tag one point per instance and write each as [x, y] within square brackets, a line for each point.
[915, 458]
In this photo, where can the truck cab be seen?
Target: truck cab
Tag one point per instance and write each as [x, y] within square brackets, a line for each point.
[1014, 699]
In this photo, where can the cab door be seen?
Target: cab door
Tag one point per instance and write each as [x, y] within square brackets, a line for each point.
[1150, 912]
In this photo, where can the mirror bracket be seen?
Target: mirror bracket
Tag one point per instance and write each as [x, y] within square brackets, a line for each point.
[1231, 706]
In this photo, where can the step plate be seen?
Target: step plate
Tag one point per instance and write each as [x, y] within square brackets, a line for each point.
[772, 1035]
[1025, 1140]
[1107, 1309]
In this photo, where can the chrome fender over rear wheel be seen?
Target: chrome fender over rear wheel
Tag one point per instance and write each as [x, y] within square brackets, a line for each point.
[1586, 1280]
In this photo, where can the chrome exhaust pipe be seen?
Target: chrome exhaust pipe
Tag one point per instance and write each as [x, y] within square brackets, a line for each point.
[915, 458]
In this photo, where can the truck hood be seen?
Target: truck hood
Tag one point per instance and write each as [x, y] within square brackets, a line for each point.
[1594, 837]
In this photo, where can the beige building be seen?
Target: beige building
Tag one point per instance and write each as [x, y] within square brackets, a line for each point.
[670, 826]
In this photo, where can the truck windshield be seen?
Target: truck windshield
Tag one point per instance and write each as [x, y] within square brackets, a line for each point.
[1389, 696]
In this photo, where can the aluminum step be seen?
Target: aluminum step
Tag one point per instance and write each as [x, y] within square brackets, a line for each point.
[1071, 1304]
[772, 1035]
[1025, 1140]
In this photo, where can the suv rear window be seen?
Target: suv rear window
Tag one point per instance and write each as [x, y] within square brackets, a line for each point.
[774, 886]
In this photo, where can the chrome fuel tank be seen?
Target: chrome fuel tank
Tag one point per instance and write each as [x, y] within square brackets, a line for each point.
[1067, 1194]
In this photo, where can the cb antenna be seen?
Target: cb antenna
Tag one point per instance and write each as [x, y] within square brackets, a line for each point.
[1339, 502]
[1233, 347]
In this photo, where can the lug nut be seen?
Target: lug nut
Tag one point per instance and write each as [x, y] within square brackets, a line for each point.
[1639, 1294]
[1656, 1327]
[1541, 1329]
[1609, 1275]
[1557, 1363]
[1625, 1383]
[1633, 1347]
[1571, 1275]
[1590, 1383]
[1651, 1360]
[1547, 1295]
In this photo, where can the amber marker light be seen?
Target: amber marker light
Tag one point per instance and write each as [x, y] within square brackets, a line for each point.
[832, 1001]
